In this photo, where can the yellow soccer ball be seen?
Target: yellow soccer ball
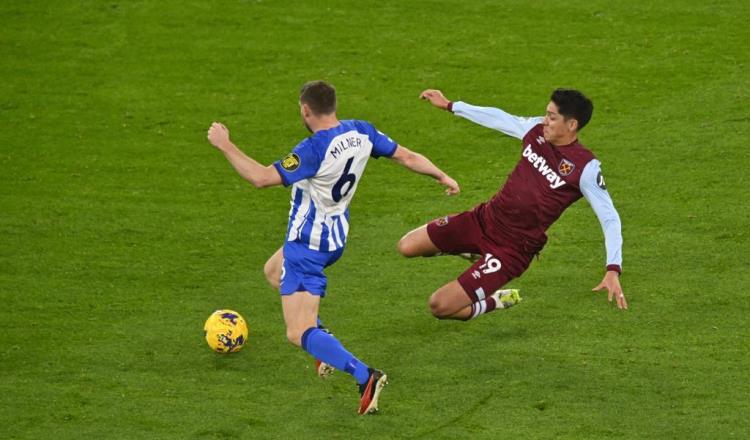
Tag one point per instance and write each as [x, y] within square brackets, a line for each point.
[226, 331]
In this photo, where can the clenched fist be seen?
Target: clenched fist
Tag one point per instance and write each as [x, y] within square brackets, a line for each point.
[218, 135]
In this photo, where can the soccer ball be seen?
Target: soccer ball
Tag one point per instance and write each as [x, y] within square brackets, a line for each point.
[226, 331]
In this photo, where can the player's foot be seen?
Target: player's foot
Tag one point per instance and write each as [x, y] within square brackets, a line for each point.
[370, 392]
[506, 298]
[324, 370]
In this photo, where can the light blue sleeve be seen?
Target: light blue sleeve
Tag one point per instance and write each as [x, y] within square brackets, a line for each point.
[496, 119]
[594, 189]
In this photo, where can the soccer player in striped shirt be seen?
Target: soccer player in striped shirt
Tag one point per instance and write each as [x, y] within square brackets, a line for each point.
[323, 171]
[506, 232]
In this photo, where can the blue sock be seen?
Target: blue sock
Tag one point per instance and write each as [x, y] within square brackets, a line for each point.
[328, 349]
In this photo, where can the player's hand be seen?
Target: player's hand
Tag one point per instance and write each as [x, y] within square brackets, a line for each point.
[451, 186]
[611, 282]
[436, 98]
[218, 135]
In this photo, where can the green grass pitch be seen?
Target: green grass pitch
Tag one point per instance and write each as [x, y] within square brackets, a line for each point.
[121, 229]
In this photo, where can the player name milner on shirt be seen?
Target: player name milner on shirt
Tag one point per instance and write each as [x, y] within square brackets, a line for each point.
[545, 170]
[344, 144]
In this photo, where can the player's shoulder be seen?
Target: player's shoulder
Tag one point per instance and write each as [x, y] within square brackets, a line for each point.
[534, 138]
[586, 152]
[580, 153]
[373, 133]
[311, 142]
[360, 125]
[313, 147]
[535, 134]
[321, 141]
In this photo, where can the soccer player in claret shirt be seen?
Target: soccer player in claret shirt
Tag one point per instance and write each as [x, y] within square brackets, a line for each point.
[323, 171]
[507, 231]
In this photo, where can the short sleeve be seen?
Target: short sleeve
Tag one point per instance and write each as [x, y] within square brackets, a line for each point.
[302, 163]
[382, 145]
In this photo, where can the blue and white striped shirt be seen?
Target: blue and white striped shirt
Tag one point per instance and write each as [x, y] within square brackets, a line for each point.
[324, 171]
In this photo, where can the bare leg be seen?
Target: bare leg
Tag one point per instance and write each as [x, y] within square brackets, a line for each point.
[450, 302]
[300, 313]
[272, 269]
[417, 243]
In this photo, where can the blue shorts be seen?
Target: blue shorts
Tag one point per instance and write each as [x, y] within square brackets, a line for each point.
[302, 269]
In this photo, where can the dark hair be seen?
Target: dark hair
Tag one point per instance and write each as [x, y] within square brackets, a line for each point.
[319, 96]
[573, 104]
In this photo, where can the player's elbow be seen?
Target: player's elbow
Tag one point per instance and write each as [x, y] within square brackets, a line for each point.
[611, 225]
[269, 177]
[404, 157]
[412, 160]
[260, 183]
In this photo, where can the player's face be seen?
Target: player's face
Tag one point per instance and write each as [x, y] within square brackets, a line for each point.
[557, 130]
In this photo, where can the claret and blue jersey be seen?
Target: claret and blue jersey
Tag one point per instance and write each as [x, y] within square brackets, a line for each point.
[545, 182]
[324, 171]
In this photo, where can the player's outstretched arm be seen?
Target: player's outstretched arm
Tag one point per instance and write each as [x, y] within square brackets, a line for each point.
[422, 165]
[247, 167]
[595, 191]
[490, 117]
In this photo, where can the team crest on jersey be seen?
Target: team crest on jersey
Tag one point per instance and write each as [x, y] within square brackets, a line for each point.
[442, 221]
[290, 162]
[566, 167]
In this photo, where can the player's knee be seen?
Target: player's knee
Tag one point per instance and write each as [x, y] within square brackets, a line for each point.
[438, 307]
[273, 275]
[407, 247]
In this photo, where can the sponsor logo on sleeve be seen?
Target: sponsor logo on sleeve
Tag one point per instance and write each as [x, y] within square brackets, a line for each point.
[442, 221]
[291, 162]
[600, 181]
[566, 167]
